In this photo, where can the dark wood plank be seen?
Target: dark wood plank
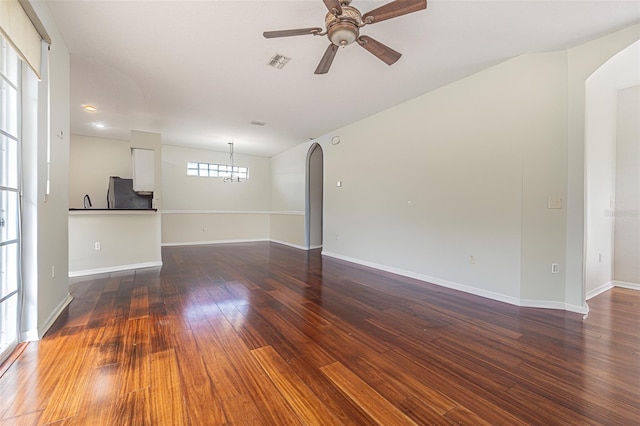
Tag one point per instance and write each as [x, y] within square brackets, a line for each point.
[363, 395]
[254, 383]
[65, 399]
[242, 411]
[303, 401]
[134, 356]
[264, 334]
[203, 405]
[167, 405]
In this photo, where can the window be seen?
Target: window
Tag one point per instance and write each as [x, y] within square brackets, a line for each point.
[9, 198]
[216, 170]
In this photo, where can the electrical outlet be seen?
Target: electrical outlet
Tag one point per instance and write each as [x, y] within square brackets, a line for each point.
[97, 245]
[555, 268]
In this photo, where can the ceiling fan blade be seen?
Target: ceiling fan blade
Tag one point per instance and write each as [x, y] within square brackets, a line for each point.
[333, 4]
[327, 59]
[394, 9]
[384, 53]
[289, 33]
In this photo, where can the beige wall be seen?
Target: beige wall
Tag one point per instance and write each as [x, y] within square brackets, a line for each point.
[287, 228]
[288, 187]
[187, 193]
[203, 210]
[214, 227]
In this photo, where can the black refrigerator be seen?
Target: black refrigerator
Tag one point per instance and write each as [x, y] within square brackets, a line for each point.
[122, 196]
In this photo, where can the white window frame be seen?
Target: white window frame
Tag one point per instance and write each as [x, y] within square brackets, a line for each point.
[10, 244]
[200, 169]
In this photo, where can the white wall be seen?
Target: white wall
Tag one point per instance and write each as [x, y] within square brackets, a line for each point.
[199, 210]
[527, 117]
[127, 240]
[288, 179]
[452, 186]
[583, 60]
[46, 282]
[288, 186]
[626, 265]
[92, 162]
[622, 70]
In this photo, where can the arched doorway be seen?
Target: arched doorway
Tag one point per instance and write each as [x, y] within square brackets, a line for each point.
[603, 89]
[314, 197]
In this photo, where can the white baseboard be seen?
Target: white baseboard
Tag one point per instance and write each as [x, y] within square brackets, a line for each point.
[550, 304]
[284, 243]
[205, 243]
[116, 268]
[630, 286]
[465, 288]
[433, 280]
[201, 243]
[34, 335]
[600, 290]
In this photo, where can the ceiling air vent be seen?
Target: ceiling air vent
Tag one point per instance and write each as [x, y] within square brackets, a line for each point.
[258, 123]
[278, 61]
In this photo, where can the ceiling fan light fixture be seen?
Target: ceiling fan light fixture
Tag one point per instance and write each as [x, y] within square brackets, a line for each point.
[343, 34]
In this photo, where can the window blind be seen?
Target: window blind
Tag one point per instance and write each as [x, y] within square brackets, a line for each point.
[18, 27]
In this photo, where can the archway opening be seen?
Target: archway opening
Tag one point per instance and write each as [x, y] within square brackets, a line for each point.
[609, 93]
[314, 197]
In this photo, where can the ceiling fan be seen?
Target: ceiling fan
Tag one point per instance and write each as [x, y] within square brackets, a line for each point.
[343, 24]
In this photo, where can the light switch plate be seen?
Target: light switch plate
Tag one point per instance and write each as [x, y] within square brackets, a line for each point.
[554, 203]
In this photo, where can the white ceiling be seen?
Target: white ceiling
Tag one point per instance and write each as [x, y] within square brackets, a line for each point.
[195, 71]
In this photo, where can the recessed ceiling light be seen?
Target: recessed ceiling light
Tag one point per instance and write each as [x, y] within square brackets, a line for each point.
[89, 108]
[98, 125]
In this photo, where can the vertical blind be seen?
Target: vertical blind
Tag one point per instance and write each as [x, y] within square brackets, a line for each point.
[19, 25]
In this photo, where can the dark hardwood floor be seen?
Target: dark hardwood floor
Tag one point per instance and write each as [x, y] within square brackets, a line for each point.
[265, 334]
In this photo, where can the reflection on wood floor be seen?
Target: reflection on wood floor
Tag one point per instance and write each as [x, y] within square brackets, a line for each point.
[264, 334]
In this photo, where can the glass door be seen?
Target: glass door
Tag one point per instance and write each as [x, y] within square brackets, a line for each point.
[10, 295]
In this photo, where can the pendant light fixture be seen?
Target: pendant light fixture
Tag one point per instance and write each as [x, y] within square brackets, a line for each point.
[233, 176]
